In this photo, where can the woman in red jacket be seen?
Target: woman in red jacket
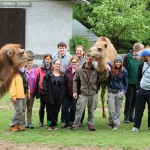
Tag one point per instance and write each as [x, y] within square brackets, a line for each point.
[42, 71]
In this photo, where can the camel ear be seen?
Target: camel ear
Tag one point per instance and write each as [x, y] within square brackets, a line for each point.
[105, 45]
[10, 53]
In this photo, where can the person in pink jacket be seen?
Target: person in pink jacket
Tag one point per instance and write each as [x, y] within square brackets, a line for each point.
[31, 74]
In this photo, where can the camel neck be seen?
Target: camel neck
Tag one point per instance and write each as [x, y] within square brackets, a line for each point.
[101, 65]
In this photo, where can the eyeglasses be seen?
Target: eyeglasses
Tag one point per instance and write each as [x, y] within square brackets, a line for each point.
[73, 62]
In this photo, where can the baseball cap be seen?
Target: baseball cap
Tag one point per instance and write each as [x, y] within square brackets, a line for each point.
[145, 52]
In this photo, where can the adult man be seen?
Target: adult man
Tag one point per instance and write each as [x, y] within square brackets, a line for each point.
[143, 90]
[63, 56]
[132, 67]
[87, 77]
[80, 54]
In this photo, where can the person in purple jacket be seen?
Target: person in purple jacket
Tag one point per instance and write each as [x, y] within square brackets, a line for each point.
[69, 102]
[31, 74]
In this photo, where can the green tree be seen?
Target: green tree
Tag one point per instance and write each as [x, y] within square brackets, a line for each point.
[126, 20]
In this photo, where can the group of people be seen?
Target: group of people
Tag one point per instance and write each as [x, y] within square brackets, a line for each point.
[72, 83]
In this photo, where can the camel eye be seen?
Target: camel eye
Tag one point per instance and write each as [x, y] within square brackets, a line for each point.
[21, 54]
[99, 49]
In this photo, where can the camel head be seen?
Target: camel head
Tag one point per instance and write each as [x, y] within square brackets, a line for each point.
[98, 52]
[103, 49]
[15, 54]
[11, 57]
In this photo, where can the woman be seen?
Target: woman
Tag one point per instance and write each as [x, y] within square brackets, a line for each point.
[53, 91]
[42, 71]
[19, 91]
[117, 87]
[31, 74]
[69, 103]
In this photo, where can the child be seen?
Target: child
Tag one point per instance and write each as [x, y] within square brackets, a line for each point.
[18, 92]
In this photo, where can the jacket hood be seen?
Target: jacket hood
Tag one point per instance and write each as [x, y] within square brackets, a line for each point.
[83, 67]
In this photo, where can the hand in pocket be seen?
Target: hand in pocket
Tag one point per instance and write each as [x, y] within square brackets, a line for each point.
[121, 94]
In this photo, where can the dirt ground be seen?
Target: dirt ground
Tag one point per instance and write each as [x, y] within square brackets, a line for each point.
[6, 145]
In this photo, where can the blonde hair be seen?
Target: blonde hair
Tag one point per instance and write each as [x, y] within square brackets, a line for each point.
[74, 57]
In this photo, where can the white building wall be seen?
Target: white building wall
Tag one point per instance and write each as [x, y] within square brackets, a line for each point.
[47, 24]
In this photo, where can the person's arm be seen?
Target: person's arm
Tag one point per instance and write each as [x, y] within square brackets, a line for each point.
[139, 76]
[126, 62]
[65, 83]
[125, 81]
[12, 89]
[45, 86]
[76, 87]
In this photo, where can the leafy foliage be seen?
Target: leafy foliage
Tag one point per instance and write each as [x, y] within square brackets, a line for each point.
[126, 20]
[79, 40]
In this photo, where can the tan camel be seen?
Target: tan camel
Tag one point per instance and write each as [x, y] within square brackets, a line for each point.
[11, 57]
[103, 51]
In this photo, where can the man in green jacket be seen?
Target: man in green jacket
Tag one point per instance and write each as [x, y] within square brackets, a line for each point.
[132, 68]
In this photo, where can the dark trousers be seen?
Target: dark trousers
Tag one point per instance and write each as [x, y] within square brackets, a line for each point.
[52, 112]
[69, 106]
[130, 102]
[62, 111]
[43, 105]
[139, 109]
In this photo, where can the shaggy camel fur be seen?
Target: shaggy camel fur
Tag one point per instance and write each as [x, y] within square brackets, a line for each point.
[11, 57]
[103, 51]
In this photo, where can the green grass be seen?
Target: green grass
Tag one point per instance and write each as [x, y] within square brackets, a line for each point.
[103, 137]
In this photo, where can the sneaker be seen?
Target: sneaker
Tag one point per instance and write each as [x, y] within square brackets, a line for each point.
[20, 128]
[13, 128]
[126, 120]
[30, 126]
[114, 128]
[50, 128]
[55, 128]
[134, 129]
[26, 126]
[65, 126]
[74, 128]
[91, 127]
[111, 125]
[40, 124]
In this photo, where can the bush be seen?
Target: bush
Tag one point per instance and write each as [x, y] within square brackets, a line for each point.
[79, 40]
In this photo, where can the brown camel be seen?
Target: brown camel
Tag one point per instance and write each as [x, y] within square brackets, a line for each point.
[103, 51]
[11, 57]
